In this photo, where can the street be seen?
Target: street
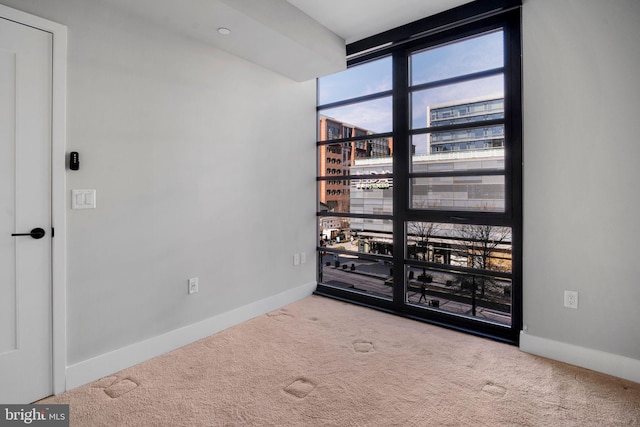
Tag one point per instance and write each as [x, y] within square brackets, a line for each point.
[374, 278]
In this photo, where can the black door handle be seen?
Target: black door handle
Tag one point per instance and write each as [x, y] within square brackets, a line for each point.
[36, 233]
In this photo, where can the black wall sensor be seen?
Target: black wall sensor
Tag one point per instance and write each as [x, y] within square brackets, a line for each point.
[74, 161]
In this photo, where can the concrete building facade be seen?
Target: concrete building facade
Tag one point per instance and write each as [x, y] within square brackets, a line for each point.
[467, 111]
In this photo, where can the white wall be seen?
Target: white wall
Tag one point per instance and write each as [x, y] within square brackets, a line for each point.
[581, 198]
[204, 165]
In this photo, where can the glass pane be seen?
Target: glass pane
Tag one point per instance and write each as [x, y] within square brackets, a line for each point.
[333, 196]
[372, 196]
[484, 247]
[334, 159]
[364, 157]
[467, 56]
[462, 193]
[473, 139]
[373, 236]
[472, 101]
[361, 118]
[460, 150]
[369, 158]
[485, 298]
[372, 277]
[373, 166]
[366, 236]
[368, 196]
[365, 79]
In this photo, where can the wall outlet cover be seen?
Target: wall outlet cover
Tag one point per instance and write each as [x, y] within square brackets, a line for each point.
[571, 299]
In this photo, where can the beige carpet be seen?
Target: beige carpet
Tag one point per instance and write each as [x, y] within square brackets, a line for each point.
[319, 362]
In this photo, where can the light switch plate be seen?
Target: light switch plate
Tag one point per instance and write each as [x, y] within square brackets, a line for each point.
[83, 199]
[193, 286]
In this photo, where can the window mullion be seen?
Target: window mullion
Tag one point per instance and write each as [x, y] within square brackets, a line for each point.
[401, 161]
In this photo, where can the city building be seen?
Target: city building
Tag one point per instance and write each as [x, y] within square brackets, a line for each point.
[477, 148]
[335, 160]
[467, 111]
[372, 195]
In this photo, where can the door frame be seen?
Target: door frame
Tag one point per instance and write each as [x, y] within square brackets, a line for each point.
[58, 188]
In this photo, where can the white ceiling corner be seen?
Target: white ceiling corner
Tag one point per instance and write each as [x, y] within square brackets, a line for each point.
[285, 39]
[354, 20]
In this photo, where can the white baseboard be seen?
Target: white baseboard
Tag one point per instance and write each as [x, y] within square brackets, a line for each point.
[596, 360]
[109, 363]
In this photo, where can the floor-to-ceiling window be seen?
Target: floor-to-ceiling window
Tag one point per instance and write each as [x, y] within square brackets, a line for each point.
[419, 171]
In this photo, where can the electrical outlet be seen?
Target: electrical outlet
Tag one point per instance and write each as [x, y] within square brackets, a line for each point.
[296, 259]
[571, 299]
[193, 286]
[303, 258]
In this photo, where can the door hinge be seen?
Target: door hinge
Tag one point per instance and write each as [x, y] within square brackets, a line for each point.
[53, 232]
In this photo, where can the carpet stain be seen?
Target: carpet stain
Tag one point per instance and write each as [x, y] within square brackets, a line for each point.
[494, 390]
[120, 388]
[279, 315]
[361, 346]
[300, 388]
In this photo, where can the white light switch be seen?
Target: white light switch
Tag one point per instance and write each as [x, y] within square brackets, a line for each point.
[83, 199]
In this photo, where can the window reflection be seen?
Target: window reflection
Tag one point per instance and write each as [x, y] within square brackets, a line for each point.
[482, 297]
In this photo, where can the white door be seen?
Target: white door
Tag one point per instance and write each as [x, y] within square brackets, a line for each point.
[25, 204]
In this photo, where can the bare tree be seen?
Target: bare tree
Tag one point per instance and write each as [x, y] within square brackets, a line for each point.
[423, 232]
[481, 242]
[480, 247]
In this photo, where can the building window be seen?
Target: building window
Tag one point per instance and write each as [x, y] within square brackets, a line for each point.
[429, 206]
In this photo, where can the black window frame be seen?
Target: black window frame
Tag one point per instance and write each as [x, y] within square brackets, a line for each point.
[464, 21]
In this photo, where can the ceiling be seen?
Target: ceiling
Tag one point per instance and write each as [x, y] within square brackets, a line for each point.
[353, 20]
[301, 39]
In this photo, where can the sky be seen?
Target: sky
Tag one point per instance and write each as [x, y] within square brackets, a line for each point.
[471, 55]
